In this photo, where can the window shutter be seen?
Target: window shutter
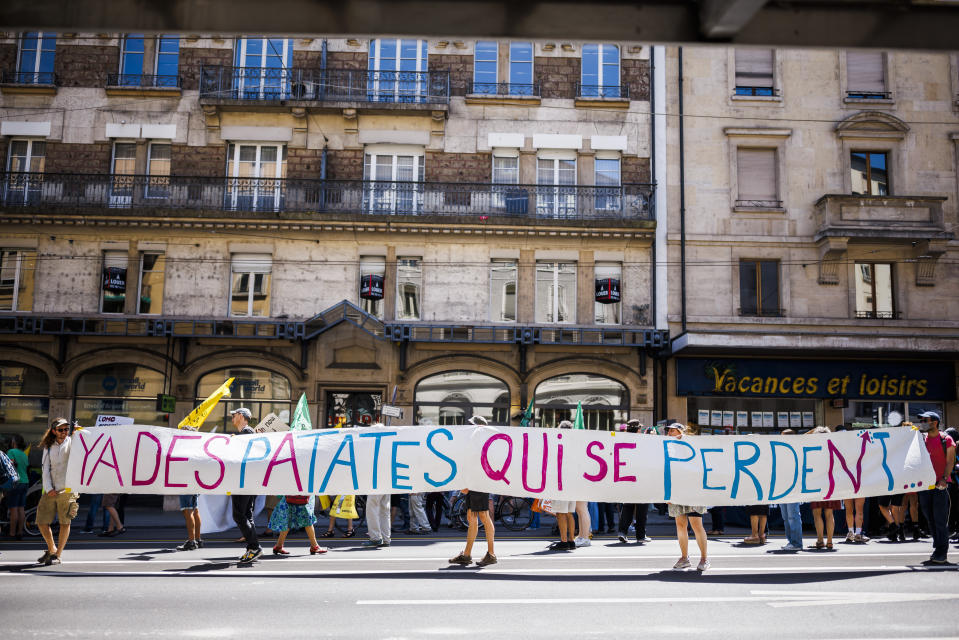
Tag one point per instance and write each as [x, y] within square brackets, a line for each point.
[754, 67]
[865, 72]
[757, 174]
[252, 263]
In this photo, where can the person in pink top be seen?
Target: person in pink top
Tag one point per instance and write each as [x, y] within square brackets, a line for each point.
[934, 499]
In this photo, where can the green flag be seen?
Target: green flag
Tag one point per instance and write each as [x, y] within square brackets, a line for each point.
[527, 418]
[301, 416]
[578, 420]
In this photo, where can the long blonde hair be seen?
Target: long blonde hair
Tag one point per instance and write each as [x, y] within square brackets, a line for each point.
[49, 437]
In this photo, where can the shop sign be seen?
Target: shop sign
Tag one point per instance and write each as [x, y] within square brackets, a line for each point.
[746, 378]
[371, 287]
[607, 290]
[115, 279]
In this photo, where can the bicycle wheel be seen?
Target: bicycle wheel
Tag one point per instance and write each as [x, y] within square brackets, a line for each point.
[516, 514]
[30, 522]
[458, 513]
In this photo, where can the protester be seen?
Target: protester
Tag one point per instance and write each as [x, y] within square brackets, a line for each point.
[633, 511]
[822, 511]
[890, 506]
[378, 517]
[191, 517]
[243, 504]
[758, 514]
[350, 531]
[716, 513]
[854, 517]
[934, 501]
[582, 538]
[687, 515]
[56, 501]
[17, 496]
[792, 521]
[419, 522]
[110, 501]
[294, 512]
[96, 504]
[605, 517]
[563, 510]
[477, 509]
[953, 433]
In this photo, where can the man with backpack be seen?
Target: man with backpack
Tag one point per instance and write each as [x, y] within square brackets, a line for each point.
[934, 500]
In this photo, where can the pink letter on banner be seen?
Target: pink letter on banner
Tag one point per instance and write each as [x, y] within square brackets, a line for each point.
[115, 466]
[492, 473]
[617, 463]
[287, 440]
[86, 452]
[170, 458]
[206, 450]
[599, 475]
[526, 463]
[834, 453]
[136, 454]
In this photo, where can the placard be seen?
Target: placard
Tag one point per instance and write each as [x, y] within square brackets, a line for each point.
[270, 424]
[742, 418]
[702, 418]
[757, 418]
[728, 417]
[782, 419]
[768, 422]
[795, 420]
[808, 420]
[715, 418]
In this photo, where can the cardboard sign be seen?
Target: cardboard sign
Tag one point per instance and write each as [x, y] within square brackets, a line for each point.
[106, 421]
[271, 424]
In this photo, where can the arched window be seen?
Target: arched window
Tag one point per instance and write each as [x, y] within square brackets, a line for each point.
[454, 396]
[24, 401]
[260, 390]
[605, 401]
[127, 390]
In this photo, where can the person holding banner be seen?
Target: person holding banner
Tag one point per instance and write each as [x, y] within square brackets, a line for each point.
[934, 501]
[824, 508]
[477, 509]
[378, 517]
[686, 515]
[563, 510]
[294, 512]
[242, 504]
[57, 500]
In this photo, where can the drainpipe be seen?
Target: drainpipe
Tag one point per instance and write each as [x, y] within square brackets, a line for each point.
[682, 197]
[660, 172]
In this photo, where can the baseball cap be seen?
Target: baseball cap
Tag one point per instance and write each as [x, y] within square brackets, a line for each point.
[676, 425]
[565, 424]
[59, 422]
[478, 421]
[243, 411]
[930, 414]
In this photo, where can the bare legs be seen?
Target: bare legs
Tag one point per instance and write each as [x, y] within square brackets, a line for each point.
[191, 517]
[830, 524]
[47, 534]
[585, 526]
[566, 526]
[682, 534]
[472, 530]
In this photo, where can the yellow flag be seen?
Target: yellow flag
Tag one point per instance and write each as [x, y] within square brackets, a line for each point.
[198, 415]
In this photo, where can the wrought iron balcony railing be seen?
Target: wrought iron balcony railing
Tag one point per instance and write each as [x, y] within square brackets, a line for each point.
[29, 77]
[853, 94]
[742, 90]
[506, 89]
[142, 80]
[620, 91]
[47, 190]
[333, 85]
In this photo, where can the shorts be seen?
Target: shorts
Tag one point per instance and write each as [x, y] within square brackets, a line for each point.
[477, 501]
[110, 500]
[676, 510]
[835, 505]
[63, 505]
[894, 500]
[17, 497]
[757, 510]
[188, 503]
[564, 506]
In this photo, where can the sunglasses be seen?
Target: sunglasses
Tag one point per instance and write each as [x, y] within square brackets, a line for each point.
[63, 430]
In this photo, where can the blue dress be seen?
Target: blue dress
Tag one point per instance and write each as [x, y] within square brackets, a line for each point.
[292, 516]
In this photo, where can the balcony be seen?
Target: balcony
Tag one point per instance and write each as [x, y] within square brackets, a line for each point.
[602, 95]
[503, 92]
[126, 84]
[336, 88]
[465, 201]
[859, 217]
[41, 82]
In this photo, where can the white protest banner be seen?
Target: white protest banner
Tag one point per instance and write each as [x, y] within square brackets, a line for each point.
[271, 424]
[555, 463]
[106, 421]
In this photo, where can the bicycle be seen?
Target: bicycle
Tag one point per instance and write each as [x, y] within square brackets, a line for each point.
[515, 513]
[30, 527]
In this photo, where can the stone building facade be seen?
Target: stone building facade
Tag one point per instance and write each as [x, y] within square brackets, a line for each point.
[297, 214]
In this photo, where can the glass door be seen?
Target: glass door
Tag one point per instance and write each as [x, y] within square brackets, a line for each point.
[352, 408]
[256, 176]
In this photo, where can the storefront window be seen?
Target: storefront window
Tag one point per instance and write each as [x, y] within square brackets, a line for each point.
[126, 390]
[752, 415]
[259, 390]
[605, 401]
[24, 405]
[353, 408]
[886, 414]
[453, 397]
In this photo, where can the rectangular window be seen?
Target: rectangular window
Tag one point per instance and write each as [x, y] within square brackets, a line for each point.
[757, 177]
[608, 183]
[158, 170]
[114, 290]
[521, 69]
[485, 67]
[555, 292]
[37, 52]
[371, 284]
[131, 60]
[256, 173]
[250, 285]
[502, 294]
[759, 288]
[167, 61]
[397, 70]
[123, 170]
[754, 72]
[17, 268]
[608, 306]
[870, 173]
[393, 183]
[556, 193]
[874, 297]
[150, 298]
[600, 73]
[866, 75]
[263, 71]
[409, 288]
[25, 165]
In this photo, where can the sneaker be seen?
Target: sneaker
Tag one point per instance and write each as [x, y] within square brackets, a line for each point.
[682, 563]
[790, 547]
[902, 534]
[489, 558]
[87, 531]
[559, 545]
[55, 560]
[581, 542]
[371, 543]
[702, 566]
[892, 532]
[862, 537]
[43, 559]
[199, 543]
[462, 560]
[189, 545]
[570, 546]
[850, 536]
[250, 555]
[644, 539]
[622, 538]
[383, 543]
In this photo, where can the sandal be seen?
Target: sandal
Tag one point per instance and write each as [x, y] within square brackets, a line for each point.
[350, 533]
[280, 551]
[328, 534]
[829, 545]
[820, 545]
[752, 540]
[317, 549]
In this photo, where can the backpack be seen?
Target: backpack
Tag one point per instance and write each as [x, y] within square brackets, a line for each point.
[8, 473]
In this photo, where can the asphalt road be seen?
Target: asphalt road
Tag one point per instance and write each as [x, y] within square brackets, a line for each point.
[142, 588]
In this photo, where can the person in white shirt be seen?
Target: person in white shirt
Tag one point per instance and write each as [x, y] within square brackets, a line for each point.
[57, 500]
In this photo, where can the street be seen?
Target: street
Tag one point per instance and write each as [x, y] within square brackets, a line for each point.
[139, 586]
